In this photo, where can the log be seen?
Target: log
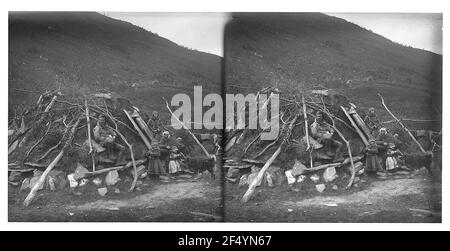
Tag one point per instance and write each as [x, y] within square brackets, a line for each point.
[43, 177]
[143, 126]
[305, 117]
[360, 122]
[401, 124]
[187, 129]
[91, 150]
[360, 133]
[252, 186]
[141, 134]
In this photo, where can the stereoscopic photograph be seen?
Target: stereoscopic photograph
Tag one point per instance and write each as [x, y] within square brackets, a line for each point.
[225, 117]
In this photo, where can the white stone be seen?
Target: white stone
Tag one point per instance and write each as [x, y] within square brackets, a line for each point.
[102, 191]
[320, 187]
[73, 183]
[112, 178]
[290, 177]
[329, 174]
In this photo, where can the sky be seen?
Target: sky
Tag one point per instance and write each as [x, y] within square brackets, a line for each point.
[423, 31]
[204, 31]
[200, 31]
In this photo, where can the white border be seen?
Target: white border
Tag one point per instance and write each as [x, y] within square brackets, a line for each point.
[437, 6]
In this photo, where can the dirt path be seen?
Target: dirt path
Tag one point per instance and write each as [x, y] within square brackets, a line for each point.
[172, 202]
[399, 199]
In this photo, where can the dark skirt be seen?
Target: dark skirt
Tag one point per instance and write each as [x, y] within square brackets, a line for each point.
[373, 163]
[155, 166]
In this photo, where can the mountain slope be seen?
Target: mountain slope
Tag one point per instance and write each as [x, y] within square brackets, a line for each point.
[86, 52]
[313, 50]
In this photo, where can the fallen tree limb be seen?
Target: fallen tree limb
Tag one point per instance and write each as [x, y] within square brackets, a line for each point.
[252, 186]
[401, 124]
[305, 118]
[43, 177]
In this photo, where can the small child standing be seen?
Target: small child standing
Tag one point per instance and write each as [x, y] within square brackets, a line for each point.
[174, 161]
[392, 155]
[373, 163]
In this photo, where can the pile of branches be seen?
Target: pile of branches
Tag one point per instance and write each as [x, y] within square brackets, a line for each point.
[297, 110]
[53, 130]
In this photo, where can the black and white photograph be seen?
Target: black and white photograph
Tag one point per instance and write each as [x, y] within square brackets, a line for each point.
[224, 117]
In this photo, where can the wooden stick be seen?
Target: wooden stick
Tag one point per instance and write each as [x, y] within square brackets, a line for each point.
[251, 143]
[43, 177]
[252, 186]
[130, 147]
[309, 148]
[360, 133]
[141, 134]
[347, 143]
[143, 125]
[187, 129]
[91, 149]
[38, 123]
[401, 124]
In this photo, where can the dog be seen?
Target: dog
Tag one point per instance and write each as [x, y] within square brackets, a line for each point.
[200, 165]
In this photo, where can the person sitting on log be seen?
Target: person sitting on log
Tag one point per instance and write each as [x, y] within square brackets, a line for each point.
[155, 124]
[323, 133]
[372, 121]
[106, 137]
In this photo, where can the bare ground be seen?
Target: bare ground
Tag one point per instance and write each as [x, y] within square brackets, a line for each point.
[399, 198]
[156, 201]
[396, 199]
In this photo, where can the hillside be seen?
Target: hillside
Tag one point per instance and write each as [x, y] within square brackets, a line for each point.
[316, 51]
[85, 52]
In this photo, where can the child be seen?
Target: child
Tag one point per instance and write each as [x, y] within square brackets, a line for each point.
[392, 155]
[372, 159]
[174, 161]
[155, 165]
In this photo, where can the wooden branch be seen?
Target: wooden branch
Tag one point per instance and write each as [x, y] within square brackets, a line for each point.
[360, 133]
[266, 148]
[43, 177]
[38, 123]
[251, 143]
[252, 186]
[309, 148]
[347, 143]
[143, 125]
[39, 141]
[412, 120]
[401, 124]
[91, 149]
[187, 129]
[141, 134]
[130, 147]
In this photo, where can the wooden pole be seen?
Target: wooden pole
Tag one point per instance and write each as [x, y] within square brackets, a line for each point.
[91, 149]
[187, 129]
[252, 186]
[43, 177]
[360, 133]
[141, 134]
[309, 148]
[401, 124]
[143, 125]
